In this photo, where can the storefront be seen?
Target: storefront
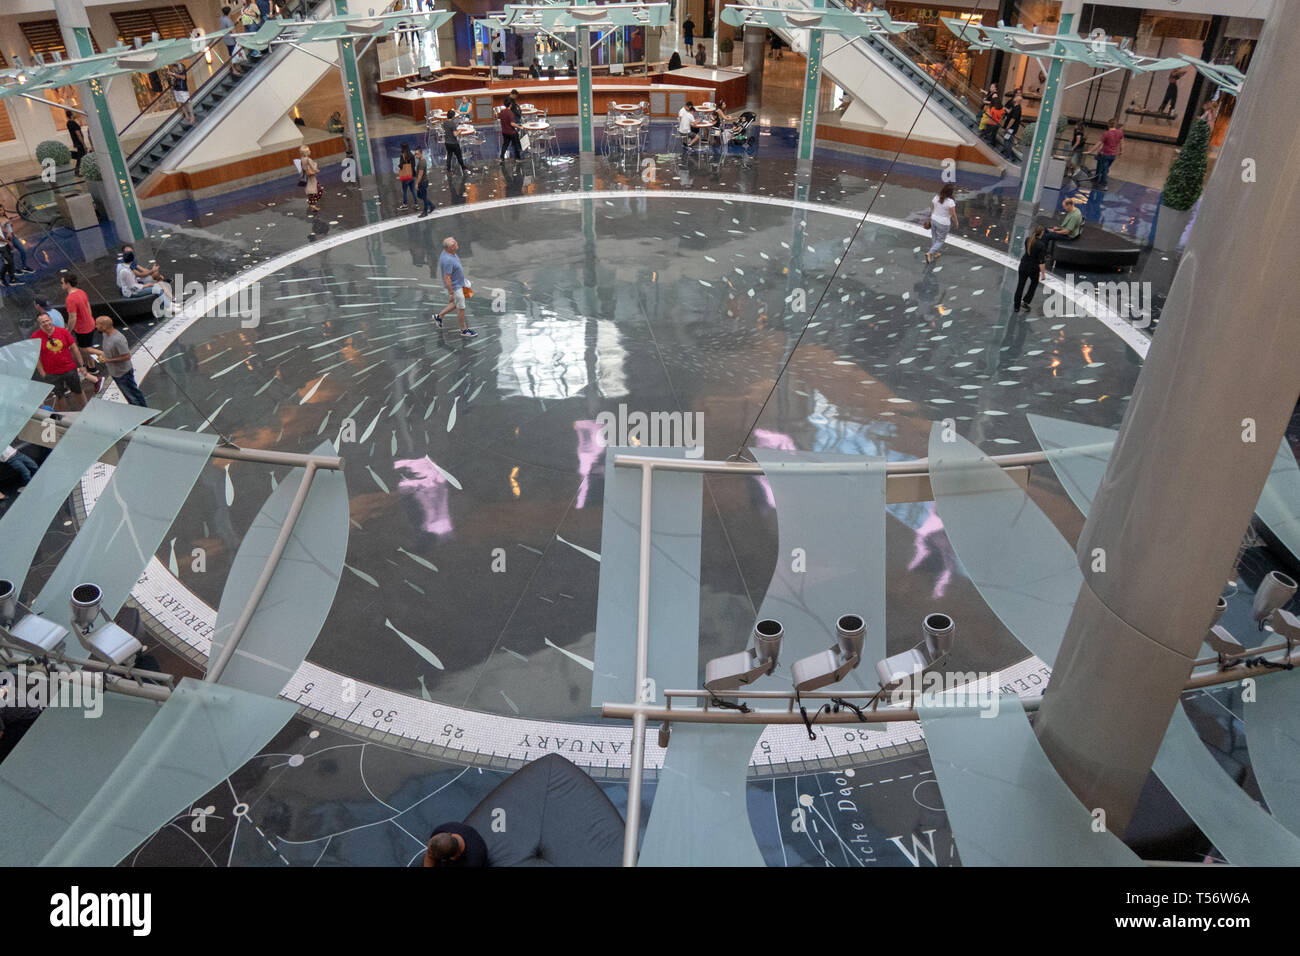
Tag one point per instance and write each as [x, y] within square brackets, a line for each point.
[962, 70]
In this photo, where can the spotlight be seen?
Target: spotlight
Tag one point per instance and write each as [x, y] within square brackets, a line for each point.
[937, 635]
[737, 670]
[108, 642]
[831, 665]
[1288, 625]
[32, 633]
[1274, 591]
[1219, 608]
[8, 603]
[1224, 644]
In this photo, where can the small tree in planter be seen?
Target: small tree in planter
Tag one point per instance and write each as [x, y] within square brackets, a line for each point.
[1183, 187]
[94, 177]
[725, 46]
[52, 154]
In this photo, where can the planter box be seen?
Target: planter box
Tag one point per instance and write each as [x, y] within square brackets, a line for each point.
[1170, 226]
[79, 208]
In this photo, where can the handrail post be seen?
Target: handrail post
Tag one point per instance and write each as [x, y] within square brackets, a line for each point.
[633, 824]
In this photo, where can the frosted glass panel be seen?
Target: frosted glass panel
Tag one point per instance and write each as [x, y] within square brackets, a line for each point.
[1273, 737]
[129, 520]
[1078, 454]
[96, 430]
[1024, 570]
[838, 520]
[1279, 504]
[19, 359]
[1241, 829]
[298, 599]
[19, 400]
[1005, 801]
[202, 735]
[58, 766]
[675, 521]
[699, 816]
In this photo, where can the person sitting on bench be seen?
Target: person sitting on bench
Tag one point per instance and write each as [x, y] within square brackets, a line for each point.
[1071, 226]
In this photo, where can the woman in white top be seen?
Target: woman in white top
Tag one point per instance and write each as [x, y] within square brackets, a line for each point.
[943, 216]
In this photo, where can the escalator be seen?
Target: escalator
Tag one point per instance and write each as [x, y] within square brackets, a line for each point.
[888, 88]
[173, 135]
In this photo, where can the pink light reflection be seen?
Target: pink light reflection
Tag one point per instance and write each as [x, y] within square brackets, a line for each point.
[591, 452]
[428, 487]
[929, 528]
[781, 442]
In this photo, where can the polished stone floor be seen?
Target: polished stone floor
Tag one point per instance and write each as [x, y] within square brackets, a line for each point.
[660, 303]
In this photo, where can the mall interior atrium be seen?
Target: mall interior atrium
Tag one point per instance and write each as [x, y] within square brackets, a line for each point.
[662, 433]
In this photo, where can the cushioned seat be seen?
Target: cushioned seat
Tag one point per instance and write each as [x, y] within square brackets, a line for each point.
[555, 815]
[1096, 250]
[125, 310]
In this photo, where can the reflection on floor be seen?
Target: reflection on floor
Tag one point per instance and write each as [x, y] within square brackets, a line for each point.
[665, 303]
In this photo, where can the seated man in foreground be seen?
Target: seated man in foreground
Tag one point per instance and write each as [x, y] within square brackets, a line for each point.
[455, 844]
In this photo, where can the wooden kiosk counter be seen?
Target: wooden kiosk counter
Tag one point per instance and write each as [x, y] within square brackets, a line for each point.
[665, 92]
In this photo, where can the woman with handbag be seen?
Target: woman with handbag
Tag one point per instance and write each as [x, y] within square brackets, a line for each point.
[406, 175]
[943, 216]
[309, 173]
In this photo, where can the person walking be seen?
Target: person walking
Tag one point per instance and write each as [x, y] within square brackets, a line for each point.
[422, 183]
[43, 305]
[452, 143]
[509, 132]
[116, 356]
[1109, 149]
[943, 216]
[310, 172]
[1171, 92]
[78, 141]
[688, 28]
[1078, 144]
[453, 277]
[77, 306]
[59, 362]
[1033, 267]
[406, 175]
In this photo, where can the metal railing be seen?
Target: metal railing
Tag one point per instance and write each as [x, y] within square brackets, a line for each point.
[641, 712]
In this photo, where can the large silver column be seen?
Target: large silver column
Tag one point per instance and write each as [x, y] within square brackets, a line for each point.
[755, 50]
[1204, 423]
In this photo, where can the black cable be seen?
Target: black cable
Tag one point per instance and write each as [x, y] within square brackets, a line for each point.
[741, 706]
[841, 259]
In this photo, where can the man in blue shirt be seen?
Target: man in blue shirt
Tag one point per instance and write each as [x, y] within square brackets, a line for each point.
[453, 277]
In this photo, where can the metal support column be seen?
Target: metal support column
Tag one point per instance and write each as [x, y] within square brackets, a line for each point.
[352, 97]
[123, 206]
[1202, 429]
[811, 86]
[754, 39]
[586, 130]
[1040, 150]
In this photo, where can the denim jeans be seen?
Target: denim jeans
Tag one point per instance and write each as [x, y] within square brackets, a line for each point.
[408, 186]
[1103, 167]
[23, 465]
[130, 391]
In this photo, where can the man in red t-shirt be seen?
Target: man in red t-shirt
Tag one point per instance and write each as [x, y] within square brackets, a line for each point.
[1108, 150]
[509, 134]
[80, 321]
[59, 361]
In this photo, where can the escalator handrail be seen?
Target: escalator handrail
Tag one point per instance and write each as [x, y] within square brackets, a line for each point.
[142, 151]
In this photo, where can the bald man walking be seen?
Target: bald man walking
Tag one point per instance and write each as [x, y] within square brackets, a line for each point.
[453, 277]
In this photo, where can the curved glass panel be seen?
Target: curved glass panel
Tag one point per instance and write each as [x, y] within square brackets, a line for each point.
[699, 816]
[301, 590]
[1273, 738]
[1005, 801]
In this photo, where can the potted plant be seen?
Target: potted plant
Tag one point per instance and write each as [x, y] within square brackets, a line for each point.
[1183, 187]
[52, 150]
[94, 177]
[725, 47]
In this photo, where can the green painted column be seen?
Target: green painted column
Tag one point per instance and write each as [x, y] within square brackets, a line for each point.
[811, 86]
[352, 96]
[1040, 150]
[586, 121]
[123, 206]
